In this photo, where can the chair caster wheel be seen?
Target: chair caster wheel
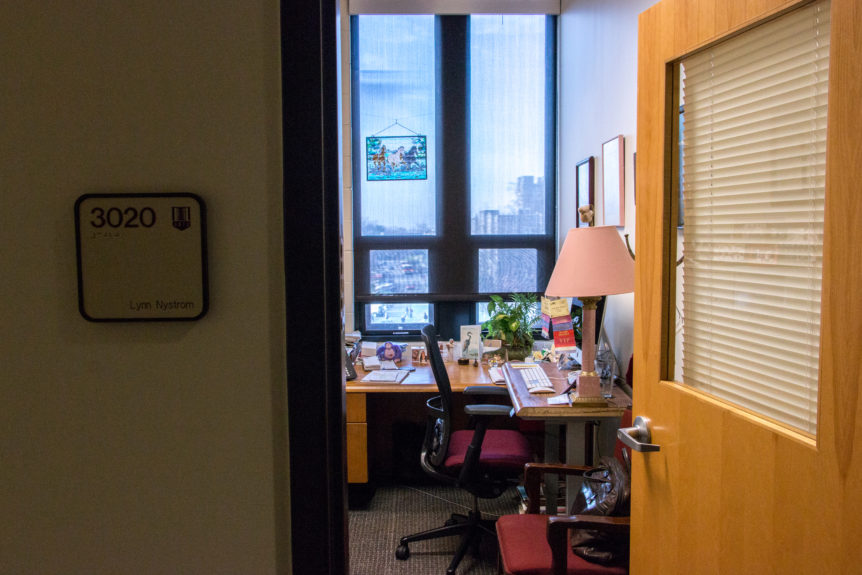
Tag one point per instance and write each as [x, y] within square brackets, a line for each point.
[402, 552]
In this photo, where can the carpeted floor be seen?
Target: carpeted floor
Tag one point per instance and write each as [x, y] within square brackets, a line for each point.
[402, 510]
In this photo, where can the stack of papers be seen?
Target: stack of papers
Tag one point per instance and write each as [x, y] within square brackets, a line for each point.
[371, 362]
[352, 337]
[385, 376]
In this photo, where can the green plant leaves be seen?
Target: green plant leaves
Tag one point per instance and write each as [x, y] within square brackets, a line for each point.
[511, 321]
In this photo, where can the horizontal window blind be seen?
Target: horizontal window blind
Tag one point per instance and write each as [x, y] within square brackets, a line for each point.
[753, 179]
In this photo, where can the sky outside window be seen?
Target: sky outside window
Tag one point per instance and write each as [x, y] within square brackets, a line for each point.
[507, 124]
[397, 91]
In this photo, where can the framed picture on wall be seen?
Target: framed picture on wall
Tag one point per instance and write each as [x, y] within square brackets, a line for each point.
[613, 182]
[584, 177]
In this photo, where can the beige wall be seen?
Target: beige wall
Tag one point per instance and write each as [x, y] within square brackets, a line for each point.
[597, 102]
[149, 447]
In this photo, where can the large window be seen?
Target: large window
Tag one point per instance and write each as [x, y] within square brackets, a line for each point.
[453, 164]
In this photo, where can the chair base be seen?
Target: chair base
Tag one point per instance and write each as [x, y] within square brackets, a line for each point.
[470, 527]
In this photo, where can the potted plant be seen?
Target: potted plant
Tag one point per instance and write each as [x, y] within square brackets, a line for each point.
[511, 322]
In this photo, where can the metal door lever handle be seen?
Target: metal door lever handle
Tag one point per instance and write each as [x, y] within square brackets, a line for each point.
[638, 437]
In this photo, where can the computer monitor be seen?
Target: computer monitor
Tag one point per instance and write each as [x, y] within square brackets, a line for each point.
[397, 319]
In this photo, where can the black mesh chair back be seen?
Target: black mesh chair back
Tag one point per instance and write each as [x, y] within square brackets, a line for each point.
[439, 428]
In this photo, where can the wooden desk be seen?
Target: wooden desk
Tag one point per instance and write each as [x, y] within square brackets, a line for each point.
[578, 420]
[420, 381]
[535, 405]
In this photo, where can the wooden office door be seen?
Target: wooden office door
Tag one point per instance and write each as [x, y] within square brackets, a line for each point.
[728, 493]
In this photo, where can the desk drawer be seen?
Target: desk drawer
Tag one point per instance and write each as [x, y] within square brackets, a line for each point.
[357, 439]
[357, 453]
[356, 408]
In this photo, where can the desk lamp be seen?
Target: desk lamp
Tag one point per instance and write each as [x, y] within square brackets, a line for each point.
[593, 263]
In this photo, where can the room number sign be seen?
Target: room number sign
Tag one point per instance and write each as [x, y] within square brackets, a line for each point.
[141, 256]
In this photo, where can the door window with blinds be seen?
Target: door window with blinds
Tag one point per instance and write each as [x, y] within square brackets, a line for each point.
[752, 148]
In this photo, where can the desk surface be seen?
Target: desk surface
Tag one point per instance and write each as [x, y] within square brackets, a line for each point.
[422, 380]
[535, 405]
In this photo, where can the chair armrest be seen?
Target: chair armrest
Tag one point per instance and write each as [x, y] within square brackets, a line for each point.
[485, 390]
[534, 475]
[487, 409]
[558, 530]
[615, 525]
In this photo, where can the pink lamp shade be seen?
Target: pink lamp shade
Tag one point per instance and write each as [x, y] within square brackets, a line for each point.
[593, 262]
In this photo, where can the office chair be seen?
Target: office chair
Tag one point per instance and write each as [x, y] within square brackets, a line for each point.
[482, 461]
[538, 544]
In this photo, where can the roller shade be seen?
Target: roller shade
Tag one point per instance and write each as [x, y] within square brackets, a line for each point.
[753, 178]
[454, 7]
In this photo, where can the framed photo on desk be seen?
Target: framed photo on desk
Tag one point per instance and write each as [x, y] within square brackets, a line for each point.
[471, 342]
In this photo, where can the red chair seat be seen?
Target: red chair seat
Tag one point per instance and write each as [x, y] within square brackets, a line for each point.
[524, 549]
[502, 449]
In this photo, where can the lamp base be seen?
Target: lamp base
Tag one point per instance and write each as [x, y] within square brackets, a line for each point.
[589, 387]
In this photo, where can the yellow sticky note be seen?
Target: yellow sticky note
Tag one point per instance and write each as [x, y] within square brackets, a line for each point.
[558, 307]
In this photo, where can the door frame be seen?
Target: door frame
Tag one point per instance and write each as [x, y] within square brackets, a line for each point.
[316, 513]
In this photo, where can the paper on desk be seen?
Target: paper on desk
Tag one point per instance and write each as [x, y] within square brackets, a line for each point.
[385, 376]
[560, 400]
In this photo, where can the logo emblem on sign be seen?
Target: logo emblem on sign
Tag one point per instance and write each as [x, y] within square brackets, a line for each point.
[182, 217]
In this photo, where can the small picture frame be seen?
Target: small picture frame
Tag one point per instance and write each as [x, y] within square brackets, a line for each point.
[584, 178]
[470, 346]
[396, 158]
[613, 182]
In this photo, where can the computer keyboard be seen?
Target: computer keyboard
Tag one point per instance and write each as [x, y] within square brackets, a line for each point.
[536, 379]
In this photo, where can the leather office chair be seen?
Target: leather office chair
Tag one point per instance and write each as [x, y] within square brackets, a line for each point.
[482, 461]
[538, 544]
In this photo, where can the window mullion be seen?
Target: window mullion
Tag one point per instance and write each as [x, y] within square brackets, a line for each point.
[453, 258]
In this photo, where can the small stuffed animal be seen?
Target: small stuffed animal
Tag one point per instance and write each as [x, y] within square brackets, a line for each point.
[389, 351]
[586, 213]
